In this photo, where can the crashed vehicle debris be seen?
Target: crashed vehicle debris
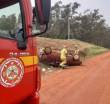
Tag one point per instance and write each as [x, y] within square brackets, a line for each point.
[51, 57]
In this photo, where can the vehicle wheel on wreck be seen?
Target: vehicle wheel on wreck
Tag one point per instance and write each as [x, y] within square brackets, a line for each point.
[47, 50]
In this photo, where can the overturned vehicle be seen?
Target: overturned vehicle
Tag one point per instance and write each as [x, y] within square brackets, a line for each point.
[51, 57]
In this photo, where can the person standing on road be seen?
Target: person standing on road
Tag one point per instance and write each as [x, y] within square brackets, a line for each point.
[76, 52]
[63, 57]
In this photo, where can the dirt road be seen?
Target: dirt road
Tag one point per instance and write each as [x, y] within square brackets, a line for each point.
[86, 84]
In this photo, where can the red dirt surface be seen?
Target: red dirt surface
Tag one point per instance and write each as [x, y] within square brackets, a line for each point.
[86, 84]
[57, 44]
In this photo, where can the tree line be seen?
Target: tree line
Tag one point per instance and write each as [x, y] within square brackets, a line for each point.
[89, 26]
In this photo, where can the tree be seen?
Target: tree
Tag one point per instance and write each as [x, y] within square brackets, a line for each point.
[89, 26]
[7, 23]
[63, 12]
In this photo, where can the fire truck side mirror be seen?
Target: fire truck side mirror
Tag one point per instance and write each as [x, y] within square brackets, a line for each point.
[41, 14]
[42, 11]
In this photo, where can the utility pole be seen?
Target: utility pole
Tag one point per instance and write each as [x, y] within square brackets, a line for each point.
[68, 28]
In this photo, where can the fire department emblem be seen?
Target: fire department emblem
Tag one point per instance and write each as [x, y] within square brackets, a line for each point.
[11, 72]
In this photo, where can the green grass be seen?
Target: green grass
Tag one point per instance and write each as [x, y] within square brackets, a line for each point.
[96, 50]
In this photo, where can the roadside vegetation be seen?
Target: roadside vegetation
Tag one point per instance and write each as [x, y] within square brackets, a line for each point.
[96, 50]
[88, 50]
[68, 26]
[66, 21]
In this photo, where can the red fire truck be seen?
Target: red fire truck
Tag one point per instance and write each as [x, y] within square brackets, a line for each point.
[19, 73]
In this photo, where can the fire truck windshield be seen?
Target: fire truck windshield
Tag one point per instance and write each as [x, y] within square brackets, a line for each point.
[10, 21]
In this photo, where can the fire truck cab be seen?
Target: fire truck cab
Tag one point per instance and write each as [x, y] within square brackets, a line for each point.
[19, 72]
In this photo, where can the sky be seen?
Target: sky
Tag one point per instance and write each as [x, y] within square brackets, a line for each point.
[102, 5]
[15, 9]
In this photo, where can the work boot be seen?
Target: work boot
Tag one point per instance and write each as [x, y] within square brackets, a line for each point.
[63, 66]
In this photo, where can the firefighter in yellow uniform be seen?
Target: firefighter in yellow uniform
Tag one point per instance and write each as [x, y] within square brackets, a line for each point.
[63, 57]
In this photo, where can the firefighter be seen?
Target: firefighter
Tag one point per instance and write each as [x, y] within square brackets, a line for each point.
[76, 52]
[63, 57]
